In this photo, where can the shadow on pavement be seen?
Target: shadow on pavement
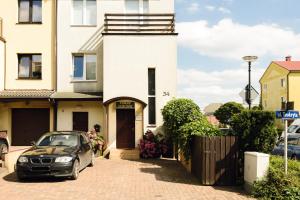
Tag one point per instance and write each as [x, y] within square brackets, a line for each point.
[12, 177]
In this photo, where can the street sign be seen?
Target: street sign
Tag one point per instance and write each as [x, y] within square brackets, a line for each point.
[254, 93]
[290, 114]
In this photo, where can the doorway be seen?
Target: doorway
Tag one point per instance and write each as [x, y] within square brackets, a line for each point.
[80, 121]
[125, 128]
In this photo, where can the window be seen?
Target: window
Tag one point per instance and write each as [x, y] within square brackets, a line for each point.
[137, 6]
[84, 12]
[282, 82]
[151, 96]
[30, 11]
[282, 99]
[30, 66]
[84, 67]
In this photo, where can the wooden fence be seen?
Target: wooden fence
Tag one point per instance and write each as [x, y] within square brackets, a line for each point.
[215, 160]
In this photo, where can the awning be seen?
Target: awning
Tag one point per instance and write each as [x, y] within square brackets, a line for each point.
[25, 94]
[69, 96]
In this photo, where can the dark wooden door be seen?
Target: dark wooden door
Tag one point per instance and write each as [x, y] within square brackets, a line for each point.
[80, 121]
[29, 125]
[125, 128]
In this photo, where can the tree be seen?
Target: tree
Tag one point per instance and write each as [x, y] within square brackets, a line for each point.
[227, 111]
[178, 112]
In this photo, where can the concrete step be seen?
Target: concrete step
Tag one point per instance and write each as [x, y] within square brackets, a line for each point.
[124, 154]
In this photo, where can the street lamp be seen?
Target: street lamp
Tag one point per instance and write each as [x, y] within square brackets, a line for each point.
[249, 59]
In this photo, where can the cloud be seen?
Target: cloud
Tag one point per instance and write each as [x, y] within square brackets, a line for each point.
[210, 8]
[215, 86]
[193, 7]
[230, 40]
[224, 10]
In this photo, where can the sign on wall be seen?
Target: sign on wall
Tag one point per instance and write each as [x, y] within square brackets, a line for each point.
[125, 105]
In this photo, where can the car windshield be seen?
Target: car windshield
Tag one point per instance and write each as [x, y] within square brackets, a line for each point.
[58, 140]
[292, 128]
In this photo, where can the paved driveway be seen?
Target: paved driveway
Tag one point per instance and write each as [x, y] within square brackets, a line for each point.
[118, 180]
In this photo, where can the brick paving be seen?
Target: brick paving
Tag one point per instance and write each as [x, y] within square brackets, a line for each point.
[118, 180]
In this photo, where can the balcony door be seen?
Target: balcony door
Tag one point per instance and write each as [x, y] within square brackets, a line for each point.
[136, 6]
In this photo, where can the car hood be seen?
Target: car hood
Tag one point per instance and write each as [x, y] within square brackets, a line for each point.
[36, 151]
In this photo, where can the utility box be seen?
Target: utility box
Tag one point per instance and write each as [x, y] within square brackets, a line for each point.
[255, 168]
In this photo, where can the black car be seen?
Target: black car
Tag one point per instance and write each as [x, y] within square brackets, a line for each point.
[59, 154]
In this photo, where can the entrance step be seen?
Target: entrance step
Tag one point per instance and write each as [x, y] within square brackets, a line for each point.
[124, 154]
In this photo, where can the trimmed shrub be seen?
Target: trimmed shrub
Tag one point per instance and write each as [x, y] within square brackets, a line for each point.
[199, 128]
[227, 111]
[176, 113]
[256, 130]
[277, 185]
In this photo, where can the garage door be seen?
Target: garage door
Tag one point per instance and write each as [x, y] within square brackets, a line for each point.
[28, 125]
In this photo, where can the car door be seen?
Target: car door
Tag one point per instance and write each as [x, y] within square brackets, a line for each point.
[82, 152]
[86, 150]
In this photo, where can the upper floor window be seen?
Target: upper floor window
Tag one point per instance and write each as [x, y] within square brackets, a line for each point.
[30, 11]
[151, 97]
[30, 66]
[282, 82]
[84, 12]
[137, 6]
[84, 67]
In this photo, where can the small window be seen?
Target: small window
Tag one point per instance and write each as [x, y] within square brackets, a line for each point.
[282, 82]
[151, 96]
[151, 109]
[151, 81]
[30, 66]
[84, 12]
[282, 99]
[84, 67]
[137, 6]
[30, 11]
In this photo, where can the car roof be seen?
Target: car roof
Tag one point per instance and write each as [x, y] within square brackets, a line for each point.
[65, 133]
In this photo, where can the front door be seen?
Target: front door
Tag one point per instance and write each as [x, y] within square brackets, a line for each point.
[125, 128]
[80, 121]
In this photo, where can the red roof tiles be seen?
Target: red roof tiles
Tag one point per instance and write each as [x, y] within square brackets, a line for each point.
[289, 65]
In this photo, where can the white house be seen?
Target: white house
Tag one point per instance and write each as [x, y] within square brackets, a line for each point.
[116, 66]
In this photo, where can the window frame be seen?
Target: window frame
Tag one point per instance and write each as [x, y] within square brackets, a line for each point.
[30, 55]
[282, 82]
[30, 13]
[141, 7]
[84, 67]
[73, 24]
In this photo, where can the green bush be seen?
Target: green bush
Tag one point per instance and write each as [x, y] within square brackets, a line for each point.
[256, 130]
[227, 111]
[176, 113]
[199, 128]
[277, 185]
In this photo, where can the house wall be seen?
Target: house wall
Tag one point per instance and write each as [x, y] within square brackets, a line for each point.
[294, 94]
[66, 109]
[2, 60]
[6, 116]
[88, 39]
[28, 38]
[128, 74]
[272, 96]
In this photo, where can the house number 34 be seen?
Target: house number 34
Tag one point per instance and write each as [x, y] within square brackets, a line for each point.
[166, 94]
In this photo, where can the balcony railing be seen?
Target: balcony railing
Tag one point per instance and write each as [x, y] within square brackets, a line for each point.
[139, 24]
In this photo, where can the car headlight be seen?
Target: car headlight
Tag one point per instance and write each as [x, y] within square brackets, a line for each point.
[63, 159]
[23, 159]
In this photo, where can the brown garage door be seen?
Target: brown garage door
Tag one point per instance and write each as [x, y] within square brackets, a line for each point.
[28, 125]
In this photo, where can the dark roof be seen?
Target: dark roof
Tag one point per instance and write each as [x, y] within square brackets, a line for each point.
[26, 94]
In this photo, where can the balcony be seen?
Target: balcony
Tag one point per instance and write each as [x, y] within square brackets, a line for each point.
[139, 24]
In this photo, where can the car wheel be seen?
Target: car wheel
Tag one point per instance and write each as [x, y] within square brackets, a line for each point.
[92, 163]
[3, 150]
[75, 172]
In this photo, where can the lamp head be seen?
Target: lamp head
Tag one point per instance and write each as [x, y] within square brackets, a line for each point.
[250, 58]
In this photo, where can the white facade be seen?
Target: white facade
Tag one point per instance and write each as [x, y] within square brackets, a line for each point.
[121, 66]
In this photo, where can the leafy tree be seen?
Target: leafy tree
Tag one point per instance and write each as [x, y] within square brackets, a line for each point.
[176, 113]
[227, 111]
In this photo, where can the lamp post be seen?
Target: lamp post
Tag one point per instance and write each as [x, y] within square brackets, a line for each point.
[249, 60]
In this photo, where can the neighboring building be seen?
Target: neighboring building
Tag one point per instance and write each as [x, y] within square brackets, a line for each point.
[113, 64]
[28, 27]
[280, 83]
[209, 113]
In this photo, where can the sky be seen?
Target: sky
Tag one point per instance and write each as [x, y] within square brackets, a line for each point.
[214, 35]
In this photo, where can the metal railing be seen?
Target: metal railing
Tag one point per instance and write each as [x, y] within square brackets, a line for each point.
[135, 24]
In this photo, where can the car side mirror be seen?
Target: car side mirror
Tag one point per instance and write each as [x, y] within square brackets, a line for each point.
[32, 143]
